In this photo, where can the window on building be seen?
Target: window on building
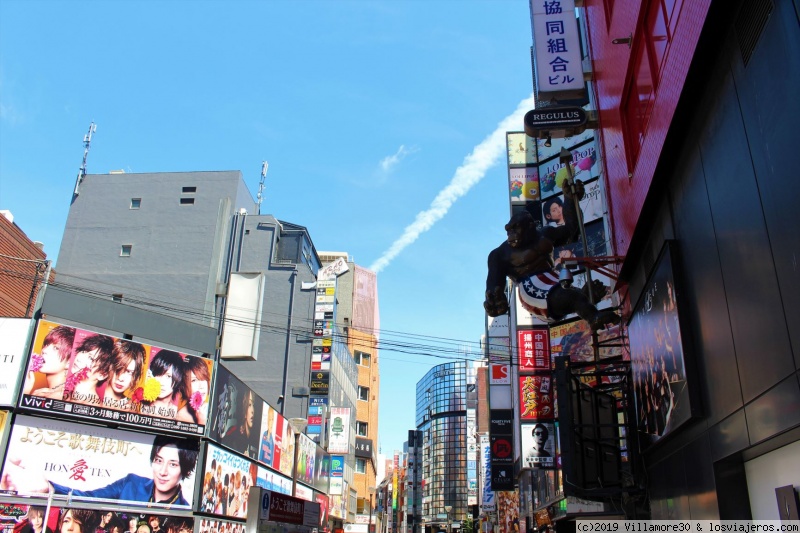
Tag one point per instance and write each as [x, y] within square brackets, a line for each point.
[136, 203]
[361, 358]
[187, 201]
[363, 393]
[189, 189]
[126, 250]
[361, 466]
[361, 429]
[638, 100]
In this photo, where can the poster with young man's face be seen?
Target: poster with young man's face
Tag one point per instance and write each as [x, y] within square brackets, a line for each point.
[538, 445]
[98, 464]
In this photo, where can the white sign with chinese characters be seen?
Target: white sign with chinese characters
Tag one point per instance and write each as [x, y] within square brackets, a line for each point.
[557, 48]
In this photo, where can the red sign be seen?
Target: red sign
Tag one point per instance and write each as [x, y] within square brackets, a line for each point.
[315, 420]
[501, 448]
[536, 398]
[500, 374]
[534, 350]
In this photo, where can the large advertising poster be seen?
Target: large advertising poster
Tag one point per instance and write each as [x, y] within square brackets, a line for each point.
[21, 518]
[236, 414]
[276, 448]
[98, 464]
[227, 479]
[538, 445]
[77, 372]
[573, 339]
[14, 334]
[322, 473]
[661, 390]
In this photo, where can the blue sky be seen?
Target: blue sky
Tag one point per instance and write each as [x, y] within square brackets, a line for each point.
[382, 123]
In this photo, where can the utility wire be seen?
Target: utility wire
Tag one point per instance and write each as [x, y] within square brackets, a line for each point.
[444, 349]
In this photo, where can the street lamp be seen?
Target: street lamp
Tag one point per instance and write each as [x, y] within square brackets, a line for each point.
[370, 529]
[448, 508]
[298, 426]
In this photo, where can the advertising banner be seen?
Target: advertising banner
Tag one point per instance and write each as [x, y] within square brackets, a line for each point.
[339, 435]
[533, 346]
[306, 460]
[273, 481]
[322, 473]
[276, 449]
[227, 479]
[14, 335]
[523, 184]
[536, 398]
[98, 464]
[521, 149]
[287, 509]
[235, 412]
[212, 525]
[534, 350]
[573, 339]
[663, 399]
[80, 373]
[337, 474]
[538, 445]
[19, 518]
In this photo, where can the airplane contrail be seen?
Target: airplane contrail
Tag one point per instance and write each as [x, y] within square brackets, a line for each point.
[471, 171]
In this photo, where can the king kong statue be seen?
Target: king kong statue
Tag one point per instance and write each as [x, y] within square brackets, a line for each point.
[527, 254]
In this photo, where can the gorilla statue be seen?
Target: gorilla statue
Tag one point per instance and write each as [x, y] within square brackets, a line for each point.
[527, 258]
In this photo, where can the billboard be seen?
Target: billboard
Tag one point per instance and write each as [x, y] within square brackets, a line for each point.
[23, 518]
[211, 525]
[227, 479]
[81, 373]
[14, 334]
[337, 475]
[538, 445]
[573, 339]
[235, 412]
[661, 386]
[98, 464]
[534, 350]
[339, 435]
[521, 149]
[536, 398]
[276, 447]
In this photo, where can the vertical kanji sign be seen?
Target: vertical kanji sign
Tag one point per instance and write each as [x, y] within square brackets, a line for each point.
[556, 47]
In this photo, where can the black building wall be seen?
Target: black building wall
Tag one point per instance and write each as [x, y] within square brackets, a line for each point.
[728, 190]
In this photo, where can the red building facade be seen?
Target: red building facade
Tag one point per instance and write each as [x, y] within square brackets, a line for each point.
[22, 270]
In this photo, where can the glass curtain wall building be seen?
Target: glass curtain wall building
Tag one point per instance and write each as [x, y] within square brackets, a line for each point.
[442, 418]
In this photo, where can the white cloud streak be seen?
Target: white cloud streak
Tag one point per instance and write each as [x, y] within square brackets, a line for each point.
[471, 171]
[389, 162]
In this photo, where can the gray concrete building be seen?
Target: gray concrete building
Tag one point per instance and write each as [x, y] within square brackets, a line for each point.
[190, 245]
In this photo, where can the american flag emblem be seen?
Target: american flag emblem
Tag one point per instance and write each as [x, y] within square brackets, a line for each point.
[533, 292]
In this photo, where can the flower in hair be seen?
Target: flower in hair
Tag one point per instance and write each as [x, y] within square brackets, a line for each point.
[152, 388]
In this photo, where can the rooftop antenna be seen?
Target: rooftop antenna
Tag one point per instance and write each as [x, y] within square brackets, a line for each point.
[260, 196]
[87, 140]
